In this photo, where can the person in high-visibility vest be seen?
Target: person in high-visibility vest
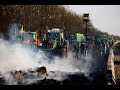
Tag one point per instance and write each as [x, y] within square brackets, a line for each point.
[37, 41]
[55, 44]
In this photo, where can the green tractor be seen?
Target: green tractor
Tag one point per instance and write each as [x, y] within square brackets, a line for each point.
[101, 44]
[77, 44]
[54, 43]
[80, 37]
[81, 46]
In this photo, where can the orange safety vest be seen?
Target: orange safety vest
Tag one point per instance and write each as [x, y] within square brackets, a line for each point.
[37, 41]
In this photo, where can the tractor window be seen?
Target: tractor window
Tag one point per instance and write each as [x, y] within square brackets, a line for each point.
[34, 36]
[99, 38]
[53, 36]
[28, 36]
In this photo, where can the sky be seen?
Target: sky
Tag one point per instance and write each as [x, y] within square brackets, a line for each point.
[104, 17]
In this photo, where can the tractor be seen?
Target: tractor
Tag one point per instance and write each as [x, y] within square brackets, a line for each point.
[101, 44]
[29, 39]
[77, 44]
[54, 43]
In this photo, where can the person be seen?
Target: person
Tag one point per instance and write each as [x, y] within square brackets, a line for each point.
[45, 43]
[82, 49]
[93, 42]
[37, 41]
[77, 49]
[112, 42]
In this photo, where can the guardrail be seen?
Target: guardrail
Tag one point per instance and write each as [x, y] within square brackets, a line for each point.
[110, 67]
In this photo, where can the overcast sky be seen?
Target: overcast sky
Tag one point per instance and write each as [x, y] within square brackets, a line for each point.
[104, 17]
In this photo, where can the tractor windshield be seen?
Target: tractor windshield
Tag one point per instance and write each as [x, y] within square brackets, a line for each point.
[53, 36]
[99, 38]
[28, 36]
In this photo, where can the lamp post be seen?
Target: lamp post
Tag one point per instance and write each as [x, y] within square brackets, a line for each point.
[86, 20]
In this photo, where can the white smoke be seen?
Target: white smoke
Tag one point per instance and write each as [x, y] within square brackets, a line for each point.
[14, 56]
[14, 31]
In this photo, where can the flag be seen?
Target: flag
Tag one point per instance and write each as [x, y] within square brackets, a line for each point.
[22, 29]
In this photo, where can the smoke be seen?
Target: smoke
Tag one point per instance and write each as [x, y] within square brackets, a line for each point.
[14, 31]
[14, 56]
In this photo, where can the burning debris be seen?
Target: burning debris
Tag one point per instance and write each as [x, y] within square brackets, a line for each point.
[24, 77]
[40, 76]
[41, 70]
[27, 77]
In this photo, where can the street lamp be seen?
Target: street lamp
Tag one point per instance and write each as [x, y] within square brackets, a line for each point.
[86, 19]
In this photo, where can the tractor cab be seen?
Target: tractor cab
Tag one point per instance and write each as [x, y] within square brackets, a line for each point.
[28, 40]
[53, 39]
[55, 44]
[79, 37]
